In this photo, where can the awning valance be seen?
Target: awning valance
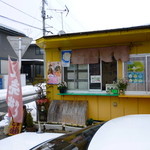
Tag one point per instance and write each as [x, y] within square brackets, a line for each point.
[85, 56]
[92, 55]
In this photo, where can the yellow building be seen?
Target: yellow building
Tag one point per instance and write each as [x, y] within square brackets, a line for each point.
[99, 58]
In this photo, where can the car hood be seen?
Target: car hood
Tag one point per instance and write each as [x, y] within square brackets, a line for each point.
[26, 140]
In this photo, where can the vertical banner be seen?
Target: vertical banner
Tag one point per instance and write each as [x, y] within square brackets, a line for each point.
[14, 92]
[66, 58]
[54, 72]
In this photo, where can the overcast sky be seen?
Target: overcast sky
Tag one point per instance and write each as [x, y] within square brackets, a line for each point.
[84, 15]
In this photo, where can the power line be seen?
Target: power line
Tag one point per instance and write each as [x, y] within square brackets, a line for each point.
[20, 11]
[20, 22]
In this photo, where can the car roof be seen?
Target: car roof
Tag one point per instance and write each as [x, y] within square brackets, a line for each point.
[130, 132]
[26, 140]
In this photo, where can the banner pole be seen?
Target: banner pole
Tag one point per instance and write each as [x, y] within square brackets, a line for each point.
[19, 54]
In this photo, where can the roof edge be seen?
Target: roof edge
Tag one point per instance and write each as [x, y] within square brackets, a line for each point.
[101, 31]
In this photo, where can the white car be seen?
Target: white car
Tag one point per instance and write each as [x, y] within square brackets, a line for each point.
[130, 132]
[26, 140]
[124, 133]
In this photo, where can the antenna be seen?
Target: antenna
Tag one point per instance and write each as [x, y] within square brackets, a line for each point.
[61, 13]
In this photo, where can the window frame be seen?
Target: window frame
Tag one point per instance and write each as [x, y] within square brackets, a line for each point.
[39, 51]
[100, 90]
[145, 56]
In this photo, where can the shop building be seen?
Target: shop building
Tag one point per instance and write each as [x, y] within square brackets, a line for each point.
[91, 60]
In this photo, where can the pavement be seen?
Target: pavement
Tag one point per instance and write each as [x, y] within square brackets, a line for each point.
[2, 134]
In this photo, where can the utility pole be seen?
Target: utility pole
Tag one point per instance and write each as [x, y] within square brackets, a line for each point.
[43, 12]
[43, 16]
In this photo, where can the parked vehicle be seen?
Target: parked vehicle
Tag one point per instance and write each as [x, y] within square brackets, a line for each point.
[78, 140]
[130, 132]
[26, 140]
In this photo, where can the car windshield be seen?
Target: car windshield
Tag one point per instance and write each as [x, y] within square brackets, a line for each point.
[78, 140]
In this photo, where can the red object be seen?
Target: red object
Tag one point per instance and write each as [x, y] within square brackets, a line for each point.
[14, 92]
[42, 101]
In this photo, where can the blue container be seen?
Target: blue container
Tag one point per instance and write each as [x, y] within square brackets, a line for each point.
[1, 82]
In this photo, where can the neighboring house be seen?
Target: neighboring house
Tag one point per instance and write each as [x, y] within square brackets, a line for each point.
[99, 58]
[5, 47]
[32, 61]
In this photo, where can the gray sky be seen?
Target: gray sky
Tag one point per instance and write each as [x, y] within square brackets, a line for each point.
[84, 15]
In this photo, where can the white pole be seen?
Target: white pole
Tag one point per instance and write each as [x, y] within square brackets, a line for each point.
[62, 24]
[19, 54]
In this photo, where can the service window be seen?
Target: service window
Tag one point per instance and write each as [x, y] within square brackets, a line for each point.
[94, 76]
[109, 73]
[76, 77]
[90, 76]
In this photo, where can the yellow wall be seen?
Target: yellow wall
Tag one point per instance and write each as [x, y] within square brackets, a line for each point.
[106, 107]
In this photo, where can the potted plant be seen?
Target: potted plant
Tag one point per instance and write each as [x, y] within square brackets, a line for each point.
[62, 87]
[122, 85]
[42, 99]
[29, 123]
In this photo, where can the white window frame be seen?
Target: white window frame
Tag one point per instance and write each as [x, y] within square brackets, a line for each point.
[146, 55]
[90, 90]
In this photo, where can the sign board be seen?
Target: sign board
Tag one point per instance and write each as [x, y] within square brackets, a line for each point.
[14, 42]
[14, 128]
[111, 88]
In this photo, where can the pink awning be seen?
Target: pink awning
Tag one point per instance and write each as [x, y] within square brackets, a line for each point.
[92, 55]
[85, 56]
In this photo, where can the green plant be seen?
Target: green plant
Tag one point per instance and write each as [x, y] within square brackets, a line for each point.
[43, 97]
[89, 121]
[122, 84]
[40, 83]
[42, 87]
[62, 85]
[29, 120]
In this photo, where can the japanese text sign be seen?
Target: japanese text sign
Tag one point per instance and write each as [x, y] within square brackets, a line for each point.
[14, 92]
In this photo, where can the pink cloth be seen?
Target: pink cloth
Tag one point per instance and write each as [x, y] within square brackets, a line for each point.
[106, 53]
[85, 56]
[121, 53]
[14, 92]
[92, 55]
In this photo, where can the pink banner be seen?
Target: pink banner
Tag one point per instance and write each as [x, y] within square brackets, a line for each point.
[14, 92]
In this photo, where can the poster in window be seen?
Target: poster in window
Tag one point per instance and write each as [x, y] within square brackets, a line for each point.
[135, 71]
[66, 54]
[54, 72]
[96, 79]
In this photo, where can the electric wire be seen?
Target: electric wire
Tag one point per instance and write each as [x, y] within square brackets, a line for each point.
[57, 18]
[20, 22]
[20, 11]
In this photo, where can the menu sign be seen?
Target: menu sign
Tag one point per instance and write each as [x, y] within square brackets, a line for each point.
[136, 71]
